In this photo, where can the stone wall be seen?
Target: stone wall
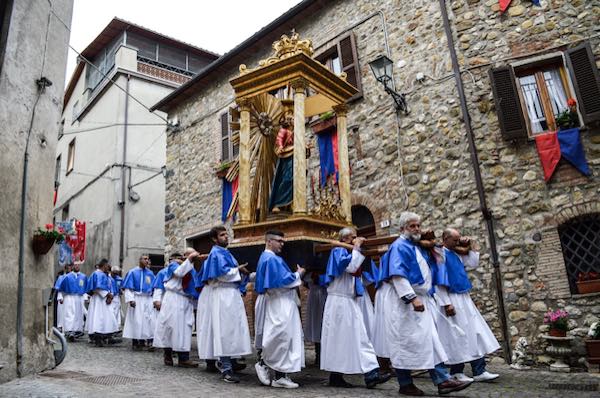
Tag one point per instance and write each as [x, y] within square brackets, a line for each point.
[421, 161]
[36, 46]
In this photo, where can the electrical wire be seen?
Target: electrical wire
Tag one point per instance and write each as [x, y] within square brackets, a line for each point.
[104, 75]
[110, 125]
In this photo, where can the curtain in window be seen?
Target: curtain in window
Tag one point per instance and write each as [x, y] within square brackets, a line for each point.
[556, 91]
[532, 100]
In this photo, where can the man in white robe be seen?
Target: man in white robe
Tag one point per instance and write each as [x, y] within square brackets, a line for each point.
[101, 321]
[60, 306]
[176, 317]
[282, 342]
[222, 324]
[315, 305]
[71, 289]
[411, 335]
[140, 318]
[345, 344]
[474, 339]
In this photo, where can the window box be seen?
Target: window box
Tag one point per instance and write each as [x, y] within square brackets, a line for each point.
[585, 287]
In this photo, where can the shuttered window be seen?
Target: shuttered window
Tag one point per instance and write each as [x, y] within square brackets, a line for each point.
[529, 98]
[229, 149]
[586, 81]
[343, 57]
[508, 105]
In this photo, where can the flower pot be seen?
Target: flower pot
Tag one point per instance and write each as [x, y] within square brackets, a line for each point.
[585, 287]
[557, 333]
[41, 245]
[593, 348]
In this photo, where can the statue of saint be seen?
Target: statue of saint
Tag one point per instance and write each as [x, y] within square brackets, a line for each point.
[283, 182]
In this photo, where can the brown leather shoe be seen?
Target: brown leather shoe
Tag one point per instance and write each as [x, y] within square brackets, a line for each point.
[187, 364]
[168, 362]
[411, 390]
[452, 385]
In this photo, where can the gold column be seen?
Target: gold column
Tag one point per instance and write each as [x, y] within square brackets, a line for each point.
[343, 161]
[299, 204]
[244, 182]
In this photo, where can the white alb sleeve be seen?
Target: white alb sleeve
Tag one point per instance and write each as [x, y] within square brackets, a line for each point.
[402, 286]
[355, 262]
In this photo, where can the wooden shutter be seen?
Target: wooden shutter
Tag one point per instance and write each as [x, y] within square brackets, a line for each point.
[225, 152]
[349, 60]
[586, 81]
[508, 105]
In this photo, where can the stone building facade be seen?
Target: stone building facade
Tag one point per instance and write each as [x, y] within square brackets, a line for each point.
[421, 161]
[34, 38]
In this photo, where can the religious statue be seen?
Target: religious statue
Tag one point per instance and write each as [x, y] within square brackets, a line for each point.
[283, 184]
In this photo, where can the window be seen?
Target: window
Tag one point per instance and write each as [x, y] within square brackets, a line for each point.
[57, 171]
[71, 156]
[61, 129]
[5, 13]
[229, 150]
[544, 92]
[75, 111]
[343, 57]
[529, 96]
[103, 62]
[65, 213]
[580, 241]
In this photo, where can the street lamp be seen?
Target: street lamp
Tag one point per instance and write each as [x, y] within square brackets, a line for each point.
[382, 68]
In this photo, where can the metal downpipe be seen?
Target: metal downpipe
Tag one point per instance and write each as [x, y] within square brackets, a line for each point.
[487, 214]
[124, 178]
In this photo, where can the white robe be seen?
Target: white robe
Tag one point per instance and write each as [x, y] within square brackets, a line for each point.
[411, 336]
[259, 320]
[345, 344]
[368, 312]
[115, 305]
[317, 295]
[473, 338]
[282, 342]
[176, 315]
[383, 299]
[72, 313]
[101, 318]
[222, 324]
[139, 321]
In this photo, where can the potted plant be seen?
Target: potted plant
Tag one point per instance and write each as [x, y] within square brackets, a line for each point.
[588, 282]
[568, 118]
[558, 322]
[593, 343]
[44, 239]
[222, 168]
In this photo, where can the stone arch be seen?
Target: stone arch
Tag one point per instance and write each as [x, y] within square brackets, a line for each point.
[571, 211]
[364, 220]
[373, 205]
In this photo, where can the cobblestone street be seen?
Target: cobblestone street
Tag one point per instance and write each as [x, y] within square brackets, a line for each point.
[119, 372]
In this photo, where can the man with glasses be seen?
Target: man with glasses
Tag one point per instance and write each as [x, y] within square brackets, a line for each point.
[282, 343]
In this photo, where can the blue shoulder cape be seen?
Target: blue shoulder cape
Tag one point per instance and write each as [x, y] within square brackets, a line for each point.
[272, 273]
[401, 261]
[452, 274]
[70, 284]
[219, 262]
[139, 280]
[189, 287]
[339, 260]
[159, 280]
[373, 275]
[115, 290]
[82, 282]
[99, 280]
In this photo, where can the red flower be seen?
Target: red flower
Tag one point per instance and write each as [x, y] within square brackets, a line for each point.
[571, 102]
[49, 226]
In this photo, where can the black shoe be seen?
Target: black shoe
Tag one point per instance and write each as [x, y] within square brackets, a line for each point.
[380, 379]
[339, 382]
[211, 367]
[411, 390]
[452, 385]
[71, 338]
[230, 378]
[112, 341]
[238, 367]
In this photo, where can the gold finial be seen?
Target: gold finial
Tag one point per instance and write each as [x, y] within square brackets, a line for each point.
[288, 46]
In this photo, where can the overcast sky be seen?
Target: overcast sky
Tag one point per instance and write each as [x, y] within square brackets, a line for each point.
[215, 25]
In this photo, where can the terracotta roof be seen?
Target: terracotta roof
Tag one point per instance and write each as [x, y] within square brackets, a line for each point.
[112, 30]
[264, 37]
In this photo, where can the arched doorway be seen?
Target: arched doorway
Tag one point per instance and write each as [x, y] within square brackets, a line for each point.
[364, 221]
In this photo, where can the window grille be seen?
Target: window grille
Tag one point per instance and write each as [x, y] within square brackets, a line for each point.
[580, 241]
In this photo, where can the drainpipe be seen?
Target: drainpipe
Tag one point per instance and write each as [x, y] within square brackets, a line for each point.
[124, 178]
[487, 214]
